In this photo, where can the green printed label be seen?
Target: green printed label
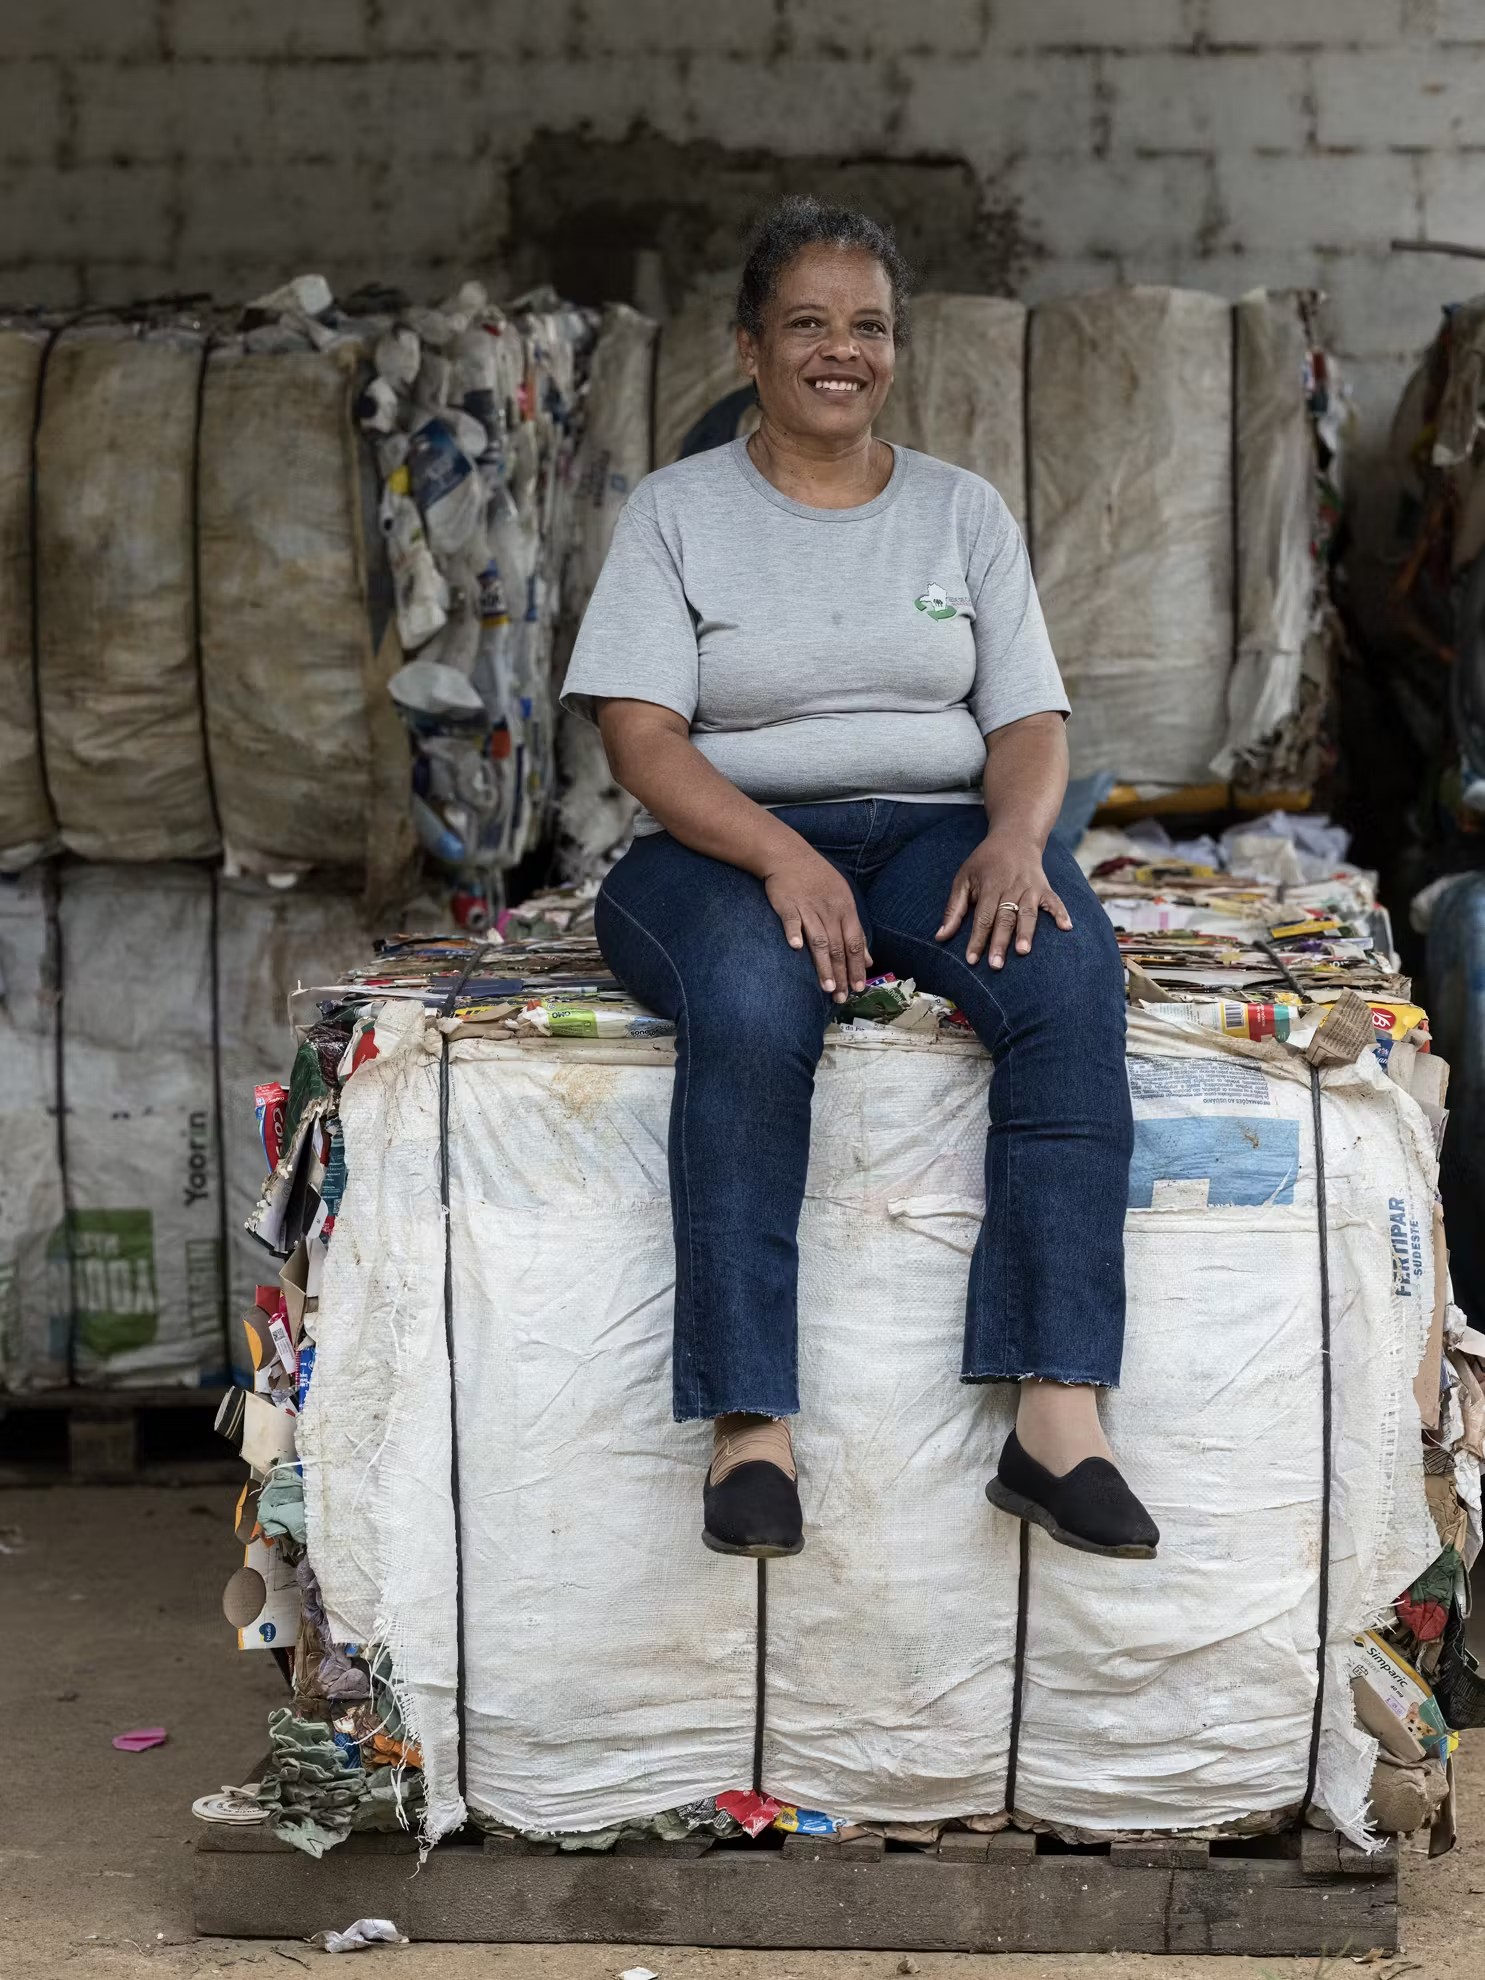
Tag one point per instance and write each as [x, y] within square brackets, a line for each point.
[572, 1021]
[113, 1272]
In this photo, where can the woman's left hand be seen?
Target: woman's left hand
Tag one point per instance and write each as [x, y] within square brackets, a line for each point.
[1004, 868]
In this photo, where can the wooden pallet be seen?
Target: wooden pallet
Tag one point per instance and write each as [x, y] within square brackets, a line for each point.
[1010, 1893]
[159, 1436]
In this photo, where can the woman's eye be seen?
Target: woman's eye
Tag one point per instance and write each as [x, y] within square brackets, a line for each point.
[874, 329]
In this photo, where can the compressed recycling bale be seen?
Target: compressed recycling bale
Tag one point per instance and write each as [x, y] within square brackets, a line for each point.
[28, 830]
[33, 1354]
[309, 758]
[594, 815]
[269, 943]
[143, 1181]
[615, 449]
[120, 693]
[696, 367]
[142, 1143]
[960, 386]
[1131, 523]
[608, 1673]
[1275, 493]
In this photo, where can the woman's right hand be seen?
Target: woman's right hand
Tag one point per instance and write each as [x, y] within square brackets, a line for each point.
[815, 903]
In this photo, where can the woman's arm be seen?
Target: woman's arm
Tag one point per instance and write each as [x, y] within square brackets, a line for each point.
[1025, 782]
[651, 755]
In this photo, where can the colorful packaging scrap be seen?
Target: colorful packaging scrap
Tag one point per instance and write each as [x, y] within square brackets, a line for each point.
[805, 1822]
[476, 419]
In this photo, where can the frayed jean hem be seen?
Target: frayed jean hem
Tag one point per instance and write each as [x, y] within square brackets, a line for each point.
[735, 1409]
[1075, 1379]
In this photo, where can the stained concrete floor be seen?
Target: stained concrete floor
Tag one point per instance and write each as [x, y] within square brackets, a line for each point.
[109, 1620]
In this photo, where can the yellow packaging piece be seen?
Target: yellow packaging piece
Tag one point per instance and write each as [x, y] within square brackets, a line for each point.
[1171, 872]
[1395, 1021]
[1288, 931]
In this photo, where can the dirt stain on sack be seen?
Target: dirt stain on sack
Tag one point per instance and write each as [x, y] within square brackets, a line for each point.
[584, 1090]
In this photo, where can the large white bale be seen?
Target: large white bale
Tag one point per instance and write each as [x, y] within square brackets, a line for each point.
[1276, 500]
[305, 744]
[696, 366]
[614, 452]
[594, 815]
[120, 693]
[959, 393]
[143, 1181]
[610, 1660]
[1131, 523]
[135, 952]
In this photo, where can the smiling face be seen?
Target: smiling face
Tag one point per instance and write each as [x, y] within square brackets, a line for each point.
[823, 365]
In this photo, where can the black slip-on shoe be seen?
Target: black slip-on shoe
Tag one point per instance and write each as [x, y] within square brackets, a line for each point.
[755, 1510]
[1091, 1508]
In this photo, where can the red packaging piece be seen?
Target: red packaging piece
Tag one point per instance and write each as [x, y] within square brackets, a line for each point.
[1427, 1620]
[270, 1102]
[366, 1048]
[752, 1812]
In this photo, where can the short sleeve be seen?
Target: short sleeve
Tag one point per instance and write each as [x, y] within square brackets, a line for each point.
[1016, 671]
[638, 637]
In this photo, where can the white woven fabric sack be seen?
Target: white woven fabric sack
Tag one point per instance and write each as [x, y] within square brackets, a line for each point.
[609, 1661]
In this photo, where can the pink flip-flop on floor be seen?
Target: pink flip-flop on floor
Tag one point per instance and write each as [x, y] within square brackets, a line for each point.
[140, 1742]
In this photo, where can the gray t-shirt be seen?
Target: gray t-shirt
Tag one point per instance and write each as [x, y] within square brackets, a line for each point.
[821, 654]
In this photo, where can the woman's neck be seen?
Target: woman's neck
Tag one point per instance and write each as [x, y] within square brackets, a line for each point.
[820, 475]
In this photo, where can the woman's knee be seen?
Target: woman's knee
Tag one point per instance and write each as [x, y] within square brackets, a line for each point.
[758, 1010]
[1081, 991]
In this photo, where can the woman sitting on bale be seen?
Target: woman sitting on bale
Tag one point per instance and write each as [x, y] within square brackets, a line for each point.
[819, 663]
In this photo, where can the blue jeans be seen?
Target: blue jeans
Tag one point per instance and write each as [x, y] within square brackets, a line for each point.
[697, 941]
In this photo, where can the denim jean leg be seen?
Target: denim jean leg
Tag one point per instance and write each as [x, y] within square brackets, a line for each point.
[1046, 1288]
[697, 940]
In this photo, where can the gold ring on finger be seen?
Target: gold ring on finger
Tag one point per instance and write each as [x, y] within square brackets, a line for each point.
[1010, 907]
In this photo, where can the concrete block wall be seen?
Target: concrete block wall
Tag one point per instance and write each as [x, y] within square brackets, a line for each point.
[162, 145]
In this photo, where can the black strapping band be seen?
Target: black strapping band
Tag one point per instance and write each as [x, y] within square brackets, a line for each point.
[1026, 438]
[448, 1335]
[1018, 1682]
[224, 1283]
[1283, 968]
[196, 642]
[52, 896]
[444, 1197]
[35, 523]
[52, 883]
[761, 1693]
[1322, 1218]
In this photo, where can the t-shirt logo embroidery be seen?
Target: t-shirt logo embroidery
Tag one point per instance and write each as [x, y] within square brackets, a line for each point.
[935, 602]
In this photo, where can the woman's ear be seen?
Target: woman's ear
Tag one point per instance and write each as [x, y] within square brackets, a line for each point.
[747, 354]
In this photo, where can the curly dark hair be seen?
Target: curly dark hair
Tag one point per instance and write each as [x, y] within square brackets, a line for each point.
[798, 222]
